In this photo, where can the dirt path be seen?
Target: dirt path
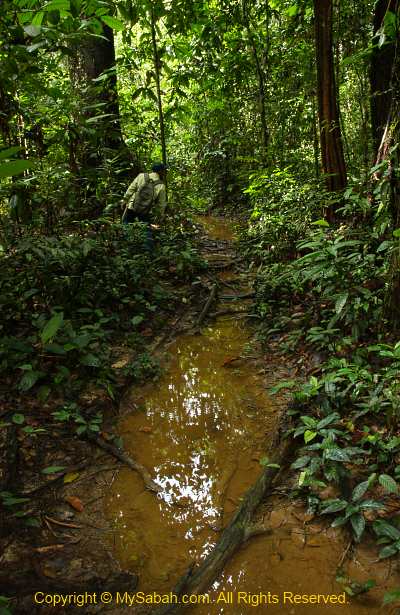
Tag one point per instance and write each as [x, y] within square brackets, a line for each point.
[203, 433]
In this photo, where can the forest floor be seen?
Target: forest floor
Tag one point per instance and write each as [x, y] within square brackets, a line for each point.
[72, 552]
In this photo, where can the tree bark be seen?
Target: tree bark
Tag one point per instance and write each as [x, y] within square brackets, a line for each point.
[156, 60]
[380, 73]
[391, 138]
[333, 162]
[261, 82]
[95, 57]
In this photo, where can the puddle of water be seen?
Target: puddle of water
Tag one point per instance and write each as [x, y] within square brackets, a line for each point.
[217, 228]
[201, 431]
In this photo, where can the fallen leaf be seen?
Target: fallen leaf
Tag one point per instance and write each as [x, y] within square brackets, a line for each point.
[69, 478]
[74, 502]
[230, 360]
[145, 429]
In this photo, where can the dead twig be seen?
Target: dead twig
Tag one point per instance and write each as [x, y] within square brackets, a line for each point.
[345, 553]
[73, 526]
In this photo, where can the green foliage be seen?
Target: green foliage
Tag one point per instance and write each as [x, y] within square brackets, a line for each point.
[283, 208]
[65, 298]
[327, 296]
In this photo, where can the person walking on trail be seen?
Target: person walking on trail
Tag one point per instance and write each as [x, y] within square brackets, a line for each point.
[146, 194]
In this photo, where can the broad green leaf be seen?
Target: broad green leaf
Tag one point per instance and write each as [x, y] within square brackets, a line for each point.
[383, 528]
[341, 302]
[9, 152]
[388, 483]
[339, 521]
[392, 596]
[396, 233]
[53, 469]
[332, 506]
[388, 551]
[28, 380]
[358, 525]
[293, 10]
[301, 462]
[286, 384]
[136, 320]
[38, 19]
[18, 419]
[336, 454]
[360, 490]
[113, 23]
[14, 167]
[51, 327]
[370, 505]
[33, 30]
[328, 420]
[309, 421]
[309, 435]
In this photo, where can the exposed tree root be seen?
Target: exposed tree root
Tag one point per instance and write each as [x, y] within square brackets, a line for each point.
[128, 461]
[240, 529]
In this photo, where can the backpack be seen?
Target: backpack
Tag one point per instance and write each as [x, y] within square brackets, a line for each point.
[144, 197]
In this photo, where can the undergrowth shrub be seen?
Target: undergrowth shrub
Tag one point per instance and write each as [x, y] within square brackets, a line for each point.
[322, 290]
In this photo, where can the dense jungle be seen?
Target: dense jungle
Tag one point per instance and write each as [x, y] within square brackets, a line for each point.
[201, 402]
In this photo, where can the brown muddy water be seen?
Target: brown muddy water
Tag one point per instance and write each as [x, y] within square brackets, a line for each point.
[202, 431]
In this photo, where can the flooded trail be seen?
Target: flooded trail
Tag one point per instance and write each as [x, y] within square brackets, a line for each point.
[202, 431]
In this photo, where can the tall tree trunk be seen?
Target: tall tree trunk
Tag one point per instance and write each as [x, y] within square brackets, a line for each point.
[261, 81]
[95, 57]
[333, 163]
[157, 68]
[391, 138]
[380, 73]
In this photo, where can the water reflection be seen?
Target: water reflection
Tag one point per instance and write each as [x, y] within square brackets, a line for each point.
[197, 435]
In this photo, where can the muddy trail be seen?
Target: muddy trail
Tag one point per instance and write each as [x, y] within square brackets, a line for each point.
[206, 432]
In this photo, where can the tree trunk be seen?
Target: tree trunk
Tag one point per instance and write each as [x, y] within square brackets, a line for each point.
[156, 60]
[95, 57]
[391, 138]
[333, 163]
[380, 73]
[261, 82]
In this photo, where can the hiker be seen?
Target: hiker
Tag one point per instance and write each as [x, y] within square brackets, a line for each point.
[146, 192]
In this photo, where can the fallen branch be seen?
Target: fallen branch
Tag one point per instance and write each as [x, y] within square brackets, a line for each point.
[207, 305]
[234, 297]
[128, 461]
[239, 530]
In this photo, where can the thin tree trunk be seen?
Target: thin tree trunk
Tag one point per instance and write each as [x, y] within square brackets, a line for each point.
[315, 136]
[391, 138]
[156, 60]
[261, 84]
[333, 163]
[380, 73]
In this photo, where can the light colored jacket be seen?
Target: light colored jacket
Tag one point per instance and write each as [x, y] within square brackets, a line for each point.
[160, 195]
